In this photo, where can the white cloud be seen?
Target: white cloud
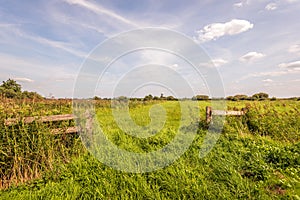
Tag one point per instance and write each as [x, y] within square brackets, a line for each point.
[214, 63]
[294, 49]
[174, 66]
[24, 80]
[219, 62]
[292, 1]
[100, 10]
[292, 65]
[238, 5]
[267, 80]
[215, 30]
[271, 6]
[251, 56]
[272, 74]
[241, 4]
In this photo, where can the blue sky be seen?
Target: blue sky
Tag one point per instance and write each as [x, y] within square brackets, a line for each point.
[255, 44]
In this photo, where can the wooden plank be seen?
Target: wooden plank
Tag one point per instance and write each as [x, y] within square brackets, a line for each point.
[210, 113]
[228, 112]
[67, 130]
[51, 118]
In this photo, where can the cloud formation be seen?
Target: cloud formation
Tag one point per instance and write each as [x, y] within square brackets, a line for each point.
[100, 10]
[219, 62]
[267, 80]
[291, 65]
[251, 56]
[271, 6]
[215, 30]
[23, 80]
[294, 49]
[241, 4]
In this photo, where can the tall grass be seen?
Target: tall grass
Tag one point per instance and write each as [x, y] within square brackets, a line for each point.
[29, 150]
[256, 157]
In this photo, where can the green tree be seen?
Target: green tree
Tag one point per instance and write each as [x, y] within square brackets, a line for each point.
[10, 89]
[148, 97]
[260, 96]
[200, 97]
[31, 95]
[241, 97]
[171, 98]
[96, 98]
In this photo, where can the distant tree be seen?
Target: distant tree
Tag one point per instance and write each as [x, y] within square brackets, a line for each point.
[200, 97]
[273, 99]
[230, 98]
[96, 98]
[148, 97]
[171, 98]
[31, 95]
[155, 98]
[260, 96]
[241, 97]
[10, 89]
[122, 98]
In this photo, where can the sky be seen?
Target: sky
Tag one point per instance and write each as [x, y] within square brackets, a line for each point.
[253, 44]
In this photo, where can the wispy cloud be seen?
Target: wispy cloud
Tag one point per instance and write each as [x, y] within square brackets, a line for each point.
[241, 4]
[96, 8]
[277, 73]
[294, 49]
[23, 80]
[216, 30]
[219, 62]
[271, 6]
[238, 5]
[291, 65]
[13, 30]
[251, 56]
[292, 1]
[267, 80]
[58, 45]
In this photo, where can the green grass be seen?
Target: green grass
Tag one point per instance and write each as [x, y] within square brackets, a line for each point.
[256, 157]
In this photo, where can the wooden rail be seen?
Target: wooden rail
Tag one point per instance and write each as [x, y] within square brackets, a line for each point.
[51, 118]
[28, 120]
[210, 113]
[67, 130]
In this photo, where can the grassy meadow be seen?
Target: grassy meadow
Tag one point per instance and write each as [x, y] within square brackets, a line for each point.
[256, 157]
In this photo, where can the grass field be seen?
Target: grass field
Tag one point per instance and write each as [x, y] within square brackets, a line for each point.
[256, 157]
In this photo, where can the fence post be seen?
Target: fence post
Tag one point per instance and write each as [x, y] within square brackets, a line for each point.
[208, 114]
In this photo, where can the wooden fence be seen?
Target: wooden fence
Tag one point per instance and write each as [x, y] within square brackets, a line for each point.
[210, 113]
[44, 119]
[67, 117]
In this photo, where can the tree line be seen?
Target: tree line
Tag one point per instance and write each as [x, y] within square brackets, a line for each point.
[11, 89]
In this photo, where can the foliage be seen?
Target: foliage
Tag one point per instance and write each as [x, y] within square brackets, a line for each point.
[257, 96]
[260, 96]
[11, 89]
[200, 97]
[148, 97]
[256, 157]
[28, 150]
[31, 95]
